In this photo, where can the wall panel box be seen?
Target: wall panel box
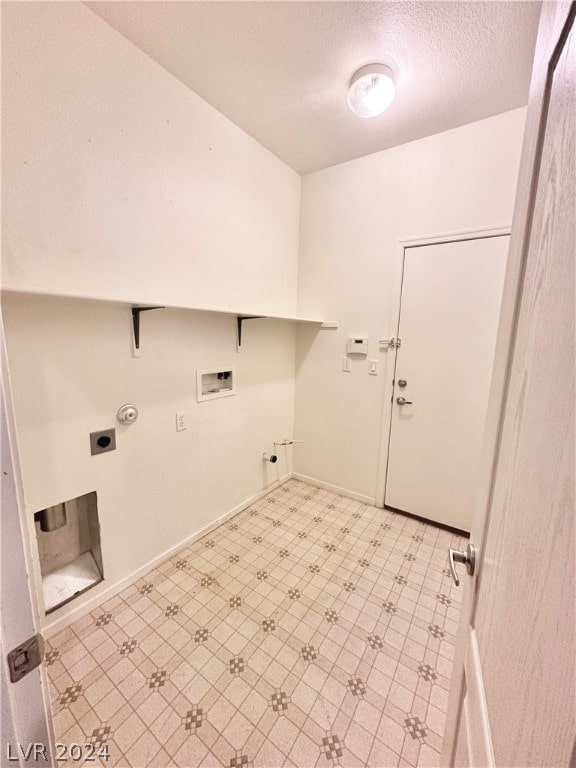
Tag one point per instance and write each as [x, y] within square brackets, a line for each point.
[68, 537]
[357, 345]
[215, 382]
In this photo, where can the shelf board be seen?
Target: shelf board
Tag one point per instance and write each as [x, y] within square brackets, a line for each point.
[137, 307]
[232, 312]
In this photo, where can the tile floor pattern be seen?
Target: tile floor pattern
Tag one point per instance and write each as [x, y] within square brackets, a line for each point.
[308, 630]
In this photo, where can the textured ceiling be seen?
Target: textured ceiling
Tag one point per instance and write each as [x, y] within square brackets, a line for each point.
[280, 70]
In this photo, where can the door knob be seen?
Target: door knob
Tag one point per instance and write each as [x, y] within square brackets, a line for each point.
[403, 401]
[468, 558]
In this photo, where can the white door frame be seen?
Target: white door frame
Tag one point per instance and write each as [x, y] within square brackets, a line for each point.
[26, 713]
[394, 320]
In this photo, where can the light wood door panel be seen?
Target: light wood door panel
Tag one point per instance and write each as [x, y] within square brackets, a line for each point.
[526, 598]
[519, 608]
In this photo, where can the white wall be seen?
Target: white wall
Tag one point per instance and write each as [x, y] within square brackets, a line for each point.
[119, 183]
[71, 368]
[122, 183]
[352, 218]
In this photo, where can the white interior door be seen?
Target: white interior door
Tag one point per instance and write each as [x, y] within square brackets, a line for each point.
[451, 296]
[513, 699]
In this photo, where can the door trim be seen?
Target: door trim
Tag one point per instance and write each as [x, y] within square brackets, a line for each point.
[476, 233]
[476, 708]
[28, 714]
[454, 236]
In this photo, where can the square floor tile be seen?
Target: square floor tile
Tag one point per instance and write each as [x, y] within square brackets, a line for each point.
[309, 630]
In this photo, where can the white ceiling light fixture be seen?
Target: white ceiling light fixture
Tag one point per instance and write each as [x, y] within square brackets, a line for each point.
[371, 90]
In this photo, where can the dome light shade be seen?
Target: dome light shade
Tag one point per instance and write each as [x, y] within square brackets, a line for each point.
[371, 90]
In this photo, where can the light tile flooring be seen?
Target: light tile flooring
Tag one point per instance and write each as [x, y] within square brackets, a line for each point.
[309, 630]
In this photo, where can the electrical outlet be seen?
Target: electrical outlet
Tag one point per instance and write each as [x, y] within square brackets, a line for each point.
[181, 421]
[346, 364]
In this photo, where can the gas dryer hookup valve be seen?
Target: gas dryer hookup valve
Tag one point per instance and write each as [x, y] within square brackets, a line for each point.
[127, 414]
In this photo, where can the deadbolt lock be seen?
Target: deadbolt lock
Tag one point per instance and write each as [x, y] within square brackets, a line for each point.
[402, 382]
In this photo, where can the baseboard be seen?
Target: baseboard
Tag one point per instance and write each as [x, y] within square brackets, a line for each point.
[335, 489]
[60, 623]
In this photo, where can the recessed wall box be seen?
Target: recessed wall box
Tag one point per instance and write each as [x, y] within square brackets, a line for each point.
[102, 441]
[69, 550]
[215, 382]
[357, 345]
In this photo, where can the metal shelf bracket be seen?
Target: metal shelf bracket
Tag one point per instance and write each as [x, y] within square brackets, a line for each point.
[239, 320]
[136, 322]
